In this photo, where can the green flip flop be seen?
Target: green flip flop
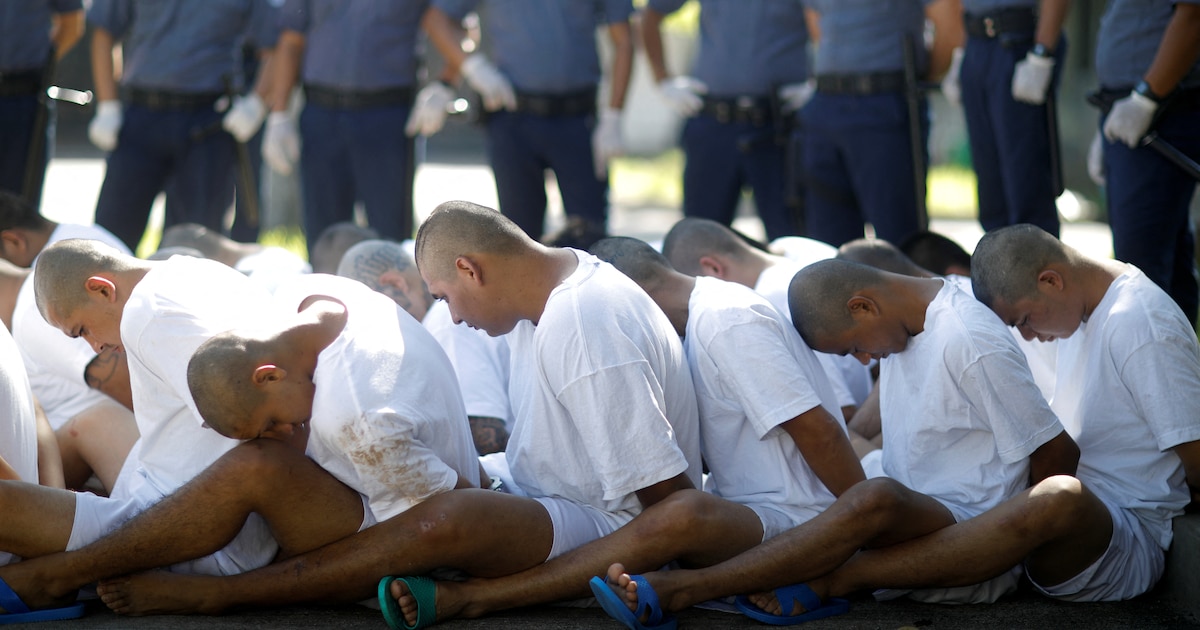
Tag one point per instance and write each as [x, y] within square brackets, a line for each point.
[423, 589]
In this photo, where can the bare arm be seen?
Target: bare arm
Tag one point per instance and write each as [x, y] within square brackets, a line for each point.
[1059, 456]
[7, 473]
[866, 421]
[1051, 15]
[652, 43]
[50, 465]
[489, 434]
[279, 74]
[653, 494]
[1189, 452]
[826, 449]
[104, 70]
[446, 35]
[622, 66]
[65, 31]
[948, 34]
[109, 373]
[813, 20]
[1178, 51]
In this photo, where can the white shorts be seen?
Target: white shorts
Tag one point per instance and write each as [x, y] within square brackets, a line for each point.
[983, 593]
[775, 521]
[1132, 565]
[576, 524]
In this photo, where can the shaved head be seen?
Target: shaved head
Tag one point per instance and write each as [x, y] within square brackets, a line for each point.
[63, 268]
[880, 254]
[219, 376]
[196, 237]
[462, 228]
[818, 295]
[377, 264]
[692, 238]
[1007, 262]
[632, 257]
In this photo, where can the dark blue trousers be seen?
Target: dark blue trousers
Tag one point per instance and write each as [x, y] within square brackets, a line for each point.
[17, 115]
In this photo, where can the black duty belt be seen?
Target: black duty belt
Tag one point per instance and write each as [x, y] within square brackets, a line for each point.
[358, 99]
[861, 84]
[1186, 99]
[1015, 21]
[21, 83]
[579, 103]
[739, 109]
[161, 100]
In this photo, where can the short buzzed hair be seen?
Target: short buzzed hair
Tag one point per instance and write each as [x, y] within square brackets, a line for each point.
[880, 254]
[632, 257]
[818, 295]
[16, 212]
[331, 244]
[692, 238]
[63, 268]
[461, 228]
[368, 260]
[1007, 262]
[220, 378]
[935, 252]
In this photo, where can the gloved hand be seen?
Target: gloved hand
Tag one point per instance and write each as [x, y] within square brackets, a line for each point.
[683, 94]
[495, 89]
[429, 109]
[281, 143]
[1130, 119]
[1095, 159]
[1031, 79]
[245, 116]
[606, 140]
[105, 125]
[951, 88]
[797, 95]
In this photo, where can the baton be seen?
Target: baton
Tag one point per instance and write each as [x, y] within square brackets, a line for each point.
[1056, 179]
[1153, 141]
[245, 172]
[35, 156]
[912, 95]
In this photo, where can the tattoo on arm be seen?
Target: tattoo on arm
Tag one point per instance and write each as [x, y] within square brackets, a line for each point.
[489, 434]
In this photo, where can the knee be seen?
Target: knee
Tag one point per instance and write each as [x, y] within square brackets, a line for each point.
[264, 462]
[874, 500]
[678, 515]
[443, 521]
[1058, 505]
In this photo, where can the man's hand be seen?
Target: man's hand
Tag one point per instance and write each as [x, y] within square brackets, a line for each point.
[1130, 119]
[797, 95]
[105, 125]
[486, 79]
[281, 143]
[683, 94]
[606, 140]
[1031, 79]
[951, 87]
[244, 117]
[429, 110]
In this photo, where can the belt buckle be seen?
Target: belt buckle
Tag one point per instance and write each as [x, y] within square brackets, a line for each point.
[989, 26]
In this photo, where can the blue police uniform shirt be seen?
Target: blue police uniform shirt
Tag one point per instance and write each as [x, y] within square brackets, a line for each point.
[24, 31]
[862, 36]
[987, 7]
[543, 46]
[1130, 33]
[747, 46]
[186, 47]
[357, 44]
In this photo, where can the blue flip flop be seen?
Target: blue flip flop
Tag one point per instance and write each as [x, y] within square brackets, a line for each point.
[423, 589]
[18, 612]
[616, 608]
[788, 596]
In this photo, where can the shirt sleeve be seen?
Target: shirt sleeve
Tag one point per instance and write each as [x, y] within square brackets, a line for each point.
[65, 6]
[113, 16]
[1163, 377]
[166, 345]
[1001, 389]
[616, 11]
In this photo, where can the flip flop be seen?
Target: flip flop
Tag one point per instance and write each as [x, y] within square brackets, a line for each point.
[614, 605]
[788, 596]
[423, 589]
[18, 612]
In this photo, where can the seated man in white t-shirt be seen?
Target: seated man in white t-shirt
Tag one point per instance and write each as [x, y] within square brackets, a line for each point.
[954, 446]
[480, 361]
[267, 264]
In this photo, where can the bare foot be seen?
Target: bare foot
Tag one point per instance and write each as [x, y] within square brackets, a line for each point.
[33, 589]
[158, 593]
[447, 605]
[626, 587]
[770, 604]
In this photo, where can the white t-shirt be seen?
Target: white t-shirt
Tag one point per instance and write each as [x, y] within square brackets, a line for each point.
[388, 420]
[180, 303]
[850, 379]
[18, 424]
[55, 362]
[960, 411]
[1129, 391]
[480, 362]
[601, 393]
[273, 266]
[752, 373]
[802, 250]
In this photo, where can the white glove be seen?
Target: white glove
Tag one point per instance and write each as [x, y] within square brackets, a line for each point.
[429, 110]
[105, 125]
[683, 94]
[1130, 119]
[244, 117]
[1095, 159]
[495, 89]
[797, 95]
[1031, 79]
[606, 140]
[281, 143]
[951, 88]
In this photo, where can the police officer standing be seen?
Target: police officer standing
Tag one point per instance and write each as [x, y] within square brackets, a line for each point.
[1008, 71]
[1148, 64]
[747, 82]
[33, 34]
[862, 162]
[538, 83]
[358, 62]
[180, 59]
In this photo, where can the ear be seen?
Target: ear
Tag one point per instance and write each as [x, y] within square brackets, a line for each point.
[468, 269]
[99, 285]
[13, 243]
[394, 278]
[861, 306]
[713, 266]
[268, 373]
[1050, 280]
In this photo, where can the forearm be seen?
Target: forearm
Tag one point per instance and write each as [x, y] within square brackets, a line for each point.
[489, 434]
[1051, 15]
[7, 473]
[1178, 51]
[826, 449]
[622, 66]
[1059, 456]
[1189, 454]
[50, 465]
[104, 71]
[278, 76]
[948, 34]
[66, 29]
[653, 494]
[652, 43]
[446, 36]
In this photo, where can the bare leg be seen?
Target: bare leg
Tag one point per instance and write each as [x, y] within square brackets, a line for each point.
[481, 532]
[691, 526]
[304, 506]
[34, 520]
[97, 440]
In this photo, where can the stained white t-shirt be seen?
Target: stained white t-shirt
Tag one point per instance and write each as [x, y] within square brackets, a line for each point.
[601, 394]
[178, 305]
[1128, 391]
[388, 419]
[480, 362]
[55, 362]
[959, 409]
[752, 373]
